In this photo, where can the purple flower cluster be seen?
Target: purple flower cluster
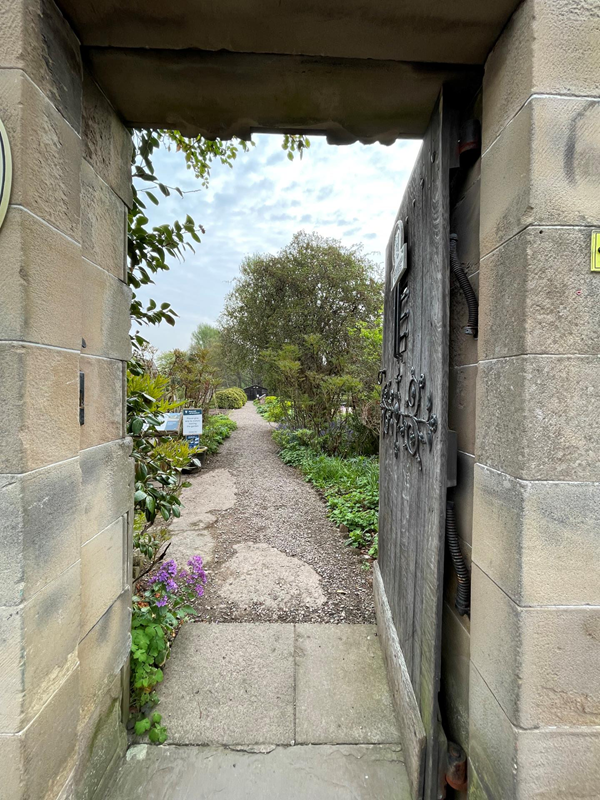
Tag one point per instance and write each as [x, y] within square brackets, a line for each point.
[196, 577]
[166, 575]
[178, 585]
[167, 571]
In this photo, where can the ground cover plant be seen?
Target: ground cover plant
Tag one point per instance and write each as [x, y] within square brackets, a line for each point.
[350, 486]
[158, 610]
[216, 429]
[273, 409]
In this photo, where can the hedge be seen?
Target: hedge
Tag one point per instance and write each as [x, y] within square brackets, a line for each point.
[231, 398]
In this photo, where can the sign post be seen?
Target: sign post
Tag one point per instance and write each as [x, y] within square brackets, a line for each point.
[192, 425]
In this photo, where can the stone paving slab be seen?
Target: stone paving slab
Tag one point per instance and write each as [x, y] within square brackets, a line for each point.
[321, 772]
[186, 544]
[284, 581]
[342, 694]
[276, 683]
[230, 684]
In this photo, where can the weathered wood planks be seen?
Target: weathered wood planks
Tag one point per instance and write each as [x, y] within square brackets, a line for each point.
[413, 481]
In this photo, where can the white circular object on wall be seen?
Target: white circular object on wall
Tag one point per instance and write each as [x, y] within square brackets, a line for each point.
[5, 172]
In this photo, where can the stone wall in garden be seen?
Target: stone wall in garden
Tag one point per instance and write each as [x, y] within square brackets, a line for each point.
[534, 712]
[65, 487]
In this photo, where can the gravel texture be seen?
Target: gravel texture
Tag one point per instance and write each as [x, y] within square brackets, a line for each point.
[275, 508]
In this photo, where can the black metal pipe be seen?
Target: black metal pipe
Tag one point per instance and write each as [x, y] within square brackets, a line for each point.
[463, 593]
[467, 289]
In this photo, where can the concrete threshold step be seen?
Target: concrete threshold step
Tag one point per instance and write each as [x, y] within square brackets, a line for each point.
[304, 772]
[317, 693]
[250, 683]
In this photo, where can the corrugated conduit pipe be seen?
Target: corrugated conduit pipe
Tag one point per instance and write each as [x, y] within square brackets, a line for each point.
[463, 593]
[465, 284]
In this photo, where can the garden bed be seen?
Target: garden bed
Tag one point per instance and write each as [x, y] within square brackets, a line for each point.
[349, 486]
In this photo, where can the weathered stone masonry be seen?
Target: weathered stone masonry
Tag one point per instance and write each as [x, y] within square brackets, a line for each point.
[520, 682]
[534, 704]
[65, 489]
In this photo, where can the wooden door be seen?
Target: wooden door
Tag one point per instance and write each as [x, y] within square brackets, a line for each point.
[414, 401]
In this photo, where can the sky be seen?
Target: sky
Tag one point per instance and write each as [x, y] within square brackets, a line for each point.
[349, 193]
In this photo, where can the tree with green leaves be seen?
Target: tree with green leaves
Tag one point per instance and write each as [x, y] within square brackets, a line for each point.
[193, 379]
[299, 318]
[312, 287]
[205, 336]
[150, 250]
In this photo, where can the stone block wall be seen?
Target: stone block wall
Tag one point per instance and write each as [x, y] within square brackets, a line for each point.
[65, 488]
[534, 684]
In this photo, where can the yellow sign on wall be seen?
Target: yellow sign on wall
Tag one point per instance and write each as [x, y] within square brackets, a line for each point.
[5, 172]
[595, 251]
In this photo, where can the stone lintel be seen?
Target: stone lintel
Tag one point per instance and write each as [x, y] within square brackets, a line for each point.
[225, 94]
[415, 30]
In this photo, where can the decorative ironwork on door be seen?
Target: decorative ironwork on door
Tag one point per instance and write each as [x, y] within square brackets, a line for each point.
[400, 414]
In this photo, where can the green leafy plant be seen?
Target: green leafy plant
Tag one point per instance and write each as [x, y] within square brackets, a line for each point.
[158, 464]
[216, 429]
[158, 611]
[147, 540]
[157, 733]
[274, 409]
[231, 398]
[350, 486]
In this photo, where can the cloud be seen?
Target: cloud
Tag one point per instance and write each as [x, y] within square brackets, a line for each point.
[324, 193]
[348, 193]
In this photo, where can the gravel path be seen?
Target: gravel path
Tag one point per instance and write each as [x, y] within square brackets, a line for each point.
[274, 555]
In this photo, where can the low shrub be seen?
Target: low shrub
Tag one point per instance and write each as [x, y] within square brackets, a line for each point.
[273, 409]
[216, 429]
[231, 398]
[350, 485]
[157, 612]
